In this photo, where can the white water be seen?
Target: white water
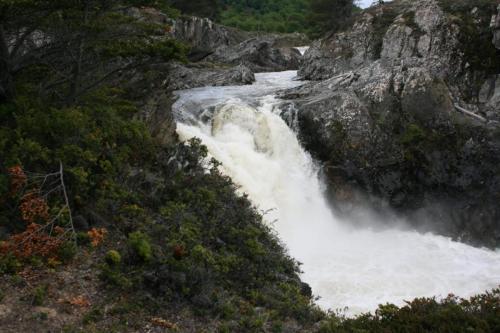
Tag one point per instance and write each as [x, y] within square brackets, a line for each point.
[358, 269]
[302, 49]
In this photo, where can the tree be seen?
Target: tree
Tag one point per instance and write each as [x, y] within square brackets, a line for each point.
[202, 8]
[330, 15]
[75, 45]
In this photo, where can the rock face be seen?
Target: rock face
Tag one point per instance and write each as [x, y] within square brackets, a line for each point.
[496, 29]
[204, 36]
[259, 55]
[200, 75]
[211, 42]
[403, 114]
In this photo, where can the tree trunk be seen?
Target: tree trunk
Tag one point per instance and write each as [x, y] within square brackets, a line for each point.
[6, 81]
[77, 66]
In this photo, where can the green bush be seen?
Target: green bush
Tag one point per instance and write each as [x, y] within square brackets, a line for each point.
[265, 15]
[114, 277]
[141, 246]
[113, 258]
[478, 314]
[39, 295]
[67, 251]
[9, 264]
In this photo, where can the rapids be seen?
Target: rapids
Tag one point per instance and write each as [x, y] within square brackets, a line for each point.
[348, 268]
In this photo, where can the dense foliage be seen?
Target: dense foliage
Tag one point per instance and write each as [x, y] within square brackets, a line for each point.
[266, 15]
[202, 8]
[193, 242]
[451, 315]
[330, 15]
[314, 17]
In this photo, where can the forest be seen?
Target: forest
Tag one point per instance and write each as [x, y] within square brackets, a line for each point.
[284, 16]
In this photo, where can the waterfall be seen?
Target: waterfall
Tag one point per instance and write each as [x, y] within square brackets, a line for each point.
[346, 267]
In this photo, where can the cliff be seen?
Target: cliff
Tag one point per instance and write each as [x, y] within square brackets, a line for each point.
[403, 110]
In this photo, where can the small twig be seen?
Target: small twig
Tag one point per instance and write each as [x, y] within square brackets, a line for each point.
[67, 201]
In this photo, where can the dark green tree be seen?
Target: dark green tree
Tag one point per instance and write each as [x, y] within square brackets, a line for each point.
[75, 45]
[265, 15]
[202, 8]
[329, 15]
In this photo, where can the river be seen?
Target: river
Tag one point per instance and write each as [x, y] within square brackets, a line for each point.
[352, 270]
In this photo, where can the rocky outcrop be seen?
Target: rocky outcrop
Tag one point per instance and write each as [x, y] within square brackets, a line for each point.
[496, 28]
[258, 54]
[148, 87]
[413, 32]
[398, 117]
[204, 36]
[211, 42]
[202, 74]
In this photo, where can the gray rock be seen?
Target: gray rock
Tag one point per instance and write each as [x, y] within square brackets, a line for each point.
[381, 116]
[204, 36]
[219, 44]
[200, 75]
[259, 55]
[156, 112]
[211, 42]
[496, 29]
[490, 97]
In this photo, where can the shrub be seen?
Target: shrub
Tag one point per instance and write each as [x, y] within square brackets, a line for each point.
[478, 314]
[67, 251]
[113, 258]
[39, 295]
[9, 264]
[114, 277]
[140, 245]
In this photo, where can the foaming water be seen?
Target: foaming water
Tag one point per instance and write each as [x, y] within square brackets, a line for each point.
[357, 269]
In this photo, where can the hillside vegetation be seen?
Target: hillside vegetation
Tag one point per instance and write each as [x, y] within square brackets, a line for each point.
[313, 17]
